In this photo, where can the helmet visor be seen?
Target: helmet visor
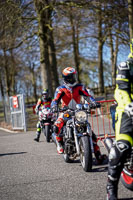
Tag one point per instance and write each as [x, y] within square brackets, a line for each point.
[44, 95]
[71, 78]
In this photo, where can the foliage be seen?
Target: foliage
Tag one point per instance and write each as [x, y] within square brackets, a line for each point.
[76, 37]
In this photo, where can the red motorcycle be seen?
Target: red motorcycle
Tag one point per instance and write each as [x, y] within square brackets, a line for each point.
[127, 172]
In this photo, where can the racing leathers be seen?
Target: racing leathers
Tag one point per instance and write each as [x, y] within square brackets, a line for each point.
[123, 127]
[41, 103]
[70, 96]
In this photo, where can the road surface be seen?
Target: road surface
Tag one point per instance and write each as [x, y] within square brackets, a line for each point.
[34, 171]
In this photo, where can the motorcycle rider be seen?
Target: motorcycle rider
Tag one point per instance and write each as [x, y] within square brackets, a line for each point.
[69, 94]
[44, 101]
[123, 125]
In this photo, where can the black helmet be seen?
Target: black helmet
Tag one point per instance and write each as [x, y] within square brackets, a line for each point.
[69, 75]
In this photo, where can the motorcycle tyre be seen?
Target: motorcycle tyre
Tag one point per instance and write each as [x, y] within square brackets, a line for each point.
[126, 180]
[47, 133]
[44, 131]
[85, 148]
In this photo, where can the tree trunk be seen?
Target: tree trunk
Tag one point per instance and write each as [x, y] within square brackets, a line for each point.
[53, 64]
[130, 16]
[13, 71]
[6, 70]
[32, 71]
[115, 60]
[100, 66]
[100, 52]
[75, 46]
[114, 53]
[43, 12]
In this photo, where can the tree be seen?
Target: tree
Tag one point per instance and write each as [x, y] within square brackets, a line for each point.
[130, 16]
[44, 11]
[75, 41]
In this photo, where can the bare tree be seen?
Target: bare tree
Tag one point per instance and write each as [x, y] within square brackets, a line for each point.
[130, 16]
[75, 41]
[44, 11]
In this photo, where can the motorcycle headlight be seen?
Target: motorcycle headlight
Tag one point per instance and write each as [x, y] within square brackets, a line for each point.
[81, 116]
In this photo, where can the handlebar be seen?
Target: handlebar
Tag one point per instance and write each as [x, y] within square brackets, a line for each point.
[86, 107]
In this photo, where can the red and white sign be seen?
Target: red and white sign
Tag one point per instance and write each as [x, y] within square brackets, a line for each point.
[15, 102]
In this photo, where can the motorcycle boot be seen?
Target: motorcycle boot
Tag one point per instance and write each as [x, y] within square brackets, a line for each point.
[37, 136]
[99, 157]
[60, 149]
[112, 190]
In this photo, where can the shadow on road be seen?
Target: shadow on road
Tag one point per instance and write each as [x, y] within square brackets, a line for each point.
[100, 169]
[126, 199]
[9, 154]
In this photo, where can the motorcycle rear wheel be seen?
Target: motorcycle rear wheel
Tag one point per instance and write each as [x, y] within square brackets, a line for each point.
[85, 153]
[127, 178]
[47, 133]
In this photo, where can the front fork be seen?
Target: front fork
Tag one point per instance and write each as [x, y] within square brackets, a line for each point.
[76, 141]
[89, 132]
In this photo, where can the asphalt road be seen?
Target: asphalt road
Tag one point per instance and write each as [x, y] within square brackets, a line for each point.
[34, 171]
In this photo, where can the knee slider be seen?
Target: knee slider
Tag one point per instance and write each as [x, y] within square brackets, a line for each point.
[118, 152]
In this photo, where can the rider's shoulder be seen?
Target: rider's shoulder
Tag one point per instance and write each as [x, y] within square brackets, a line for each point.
[123, 66]
[39, 101]
[59, 88]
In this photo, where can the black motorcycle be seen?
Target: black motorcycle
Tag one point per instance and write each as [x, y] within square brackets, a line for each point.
[77, 135]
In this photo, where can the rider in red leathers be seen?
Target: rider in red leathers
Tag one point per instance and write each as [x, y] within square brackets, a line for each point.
[44, 101]
[69, 94]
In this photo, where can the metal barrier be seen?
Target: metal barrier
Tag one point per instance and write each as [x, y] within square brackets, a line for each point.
[18, 116]
[101, 120]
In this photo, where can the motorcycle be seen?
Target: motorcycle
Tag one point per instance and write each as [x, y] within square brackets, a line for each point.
[127, 172]
[77, 136]
[47, 120]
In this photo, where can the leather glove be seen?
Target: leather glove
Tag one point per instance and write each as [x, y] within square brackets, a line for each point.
[54, 109]
[95, 104]
[37, 111]
[129, 109]
[65, 108]
[98, 105]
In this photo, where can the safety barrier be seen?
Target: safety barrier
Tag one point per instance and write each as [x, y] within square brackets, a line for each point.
[101, 120]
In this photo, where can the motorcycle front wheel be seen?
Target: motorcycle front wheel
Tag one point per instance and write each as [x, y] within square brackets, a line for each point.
[47, 133]
[85, 153]
[127, 178]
